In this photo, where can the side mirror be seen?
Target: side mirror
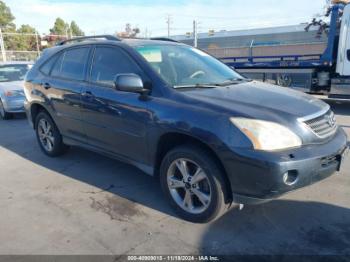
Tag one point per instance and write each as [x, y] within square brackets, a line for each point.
[348, 54]
[129, 83]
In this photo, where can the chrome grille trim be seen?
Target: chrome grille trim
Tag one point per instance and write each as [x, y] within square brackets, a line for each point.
[320, 113]
[324, 125]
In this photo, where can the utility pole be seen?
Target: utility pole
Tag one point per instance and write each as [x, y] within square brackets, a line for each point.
[37, 43]
[2, 46]
[169, 21]
[251, 50]
[195, 34]
[67, 32]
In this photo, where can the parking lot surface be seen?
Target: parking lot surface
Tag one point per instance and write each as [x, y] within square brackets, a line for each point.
[84, 203]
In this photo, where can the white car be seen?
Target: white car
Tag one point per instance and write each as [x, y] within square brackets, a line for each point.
[12, 97]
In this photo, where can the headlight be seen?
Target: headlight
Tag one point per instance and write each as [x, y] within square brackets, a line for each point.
[267, 136]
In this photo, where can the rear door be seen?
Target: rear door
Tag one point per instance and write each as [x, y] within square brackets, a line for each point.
[64, 88]
[115, 121]
[343, 65]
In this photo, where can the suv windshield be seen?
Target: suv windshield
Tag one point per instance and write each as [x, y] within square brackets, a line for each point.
[9, 73]
[184, 66]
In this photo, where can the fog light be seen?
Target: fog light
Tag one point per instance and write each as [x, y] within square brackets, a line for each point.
[290, 177]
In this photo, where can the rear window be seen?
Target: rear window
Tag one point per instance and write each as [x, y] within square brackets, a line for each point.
[72, 64]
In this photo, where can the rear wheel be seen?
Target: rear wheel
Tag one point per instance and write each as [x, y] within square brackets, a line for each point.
[48, 136]
[3, 114]
[194, 184]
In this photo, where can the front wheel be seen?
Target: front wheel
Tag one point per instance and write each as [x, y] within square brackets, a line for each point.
[48, 136]
[3, 114]
[194, 184]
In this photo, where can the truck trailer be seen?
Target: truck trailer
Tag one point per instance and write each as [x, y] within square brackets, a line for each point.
[326, 73]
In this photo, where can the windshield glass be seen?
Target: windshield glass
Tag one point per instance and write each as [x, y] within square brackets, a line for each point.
[183, 66]
[9, 73]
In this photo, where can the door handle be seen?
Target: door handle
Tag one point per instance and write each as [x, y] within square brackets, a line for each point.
[46, 85]
[87, 94]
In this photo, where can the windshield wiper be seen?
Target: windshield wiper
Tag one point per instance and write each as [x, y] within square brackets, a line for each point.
[197, 86]
[228, 82]
[233, 81]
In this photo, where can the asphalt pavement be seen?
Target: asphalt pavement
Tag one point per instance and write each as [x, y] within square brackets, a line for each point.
[84, 203]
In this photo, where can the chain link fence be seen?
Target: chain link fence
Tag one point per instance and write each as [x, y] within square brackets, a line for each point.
[25, 46]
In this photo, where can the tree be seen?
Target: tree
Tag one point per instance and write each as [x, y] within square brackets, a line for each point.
[6, 18]
[75, 30]
[26, 29]
[28, 42]
[60, 27]
[25, 40]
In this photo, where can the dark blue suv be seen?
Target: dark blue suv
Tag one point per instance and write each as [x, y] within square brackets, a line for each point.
[213, 137]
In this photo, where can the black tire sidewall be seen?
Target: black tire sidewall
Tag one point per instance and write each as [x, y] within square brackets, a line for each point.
[214, 174]
[6, 115]
[58, 147]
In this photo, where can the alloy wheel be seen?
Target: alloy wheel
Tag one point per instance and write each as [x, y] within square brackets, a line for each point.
[189, 186]
[45, 133]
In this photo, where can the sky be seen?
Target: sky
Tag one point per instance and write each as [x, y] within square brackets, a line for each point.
[109, 16]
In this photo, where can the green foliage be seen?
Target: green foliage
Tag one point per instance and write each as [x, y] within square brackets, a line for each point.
[28, 37]
[27, 29]
[6, 17]
[64, 29]
[24, 42]
[60, 27]
[75, 30]
[16, 42]
[27, 42]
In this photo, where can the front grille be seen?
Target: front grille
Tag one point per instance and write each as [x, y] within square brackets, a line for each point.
[323, 126]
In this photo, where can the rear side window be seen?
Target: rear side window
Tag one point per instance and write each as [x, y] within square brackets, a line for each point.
[56, 70]
[46, 68]
[109, 62]
[72, 64]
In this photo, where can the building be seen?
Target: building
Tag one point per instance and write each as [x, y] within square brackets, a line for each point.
[265, 41]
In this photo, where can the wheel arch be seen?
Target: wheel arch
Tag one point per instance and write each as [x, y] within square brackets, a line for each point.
[35, 109]
[168, 141]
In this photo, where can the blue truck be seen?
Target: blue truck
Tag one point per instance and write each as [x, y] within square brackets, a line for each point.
[327, 73]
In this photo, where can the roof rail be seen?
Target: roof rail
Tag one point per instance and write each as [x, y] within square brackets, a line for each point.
[80, 39]
[164, 39]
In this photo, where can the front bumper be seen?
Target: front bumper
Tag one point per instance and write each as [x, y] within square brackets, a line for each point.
[257, 176]
[14, 105]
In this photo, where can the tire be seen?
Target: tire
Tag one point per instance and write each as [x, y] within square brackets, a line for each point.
[50, 140]
[3, 114]
[196, 208]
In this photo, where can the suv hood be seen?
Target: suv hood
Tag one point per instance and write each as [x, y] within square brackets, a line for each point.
[259, 100]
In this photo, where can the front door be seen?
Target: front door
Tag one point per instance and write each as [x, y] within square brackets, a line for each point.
[114, 121]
